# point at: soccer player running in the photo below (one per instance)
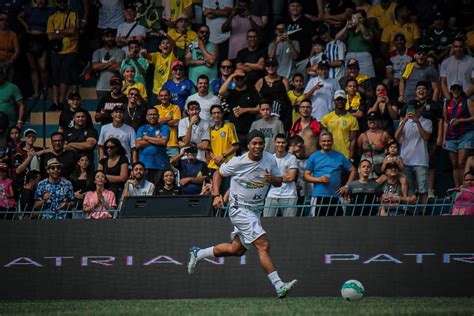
(252, 174)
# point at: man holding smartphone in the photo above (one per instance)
(414, 133)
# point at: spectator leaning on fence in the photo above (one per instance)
(284, 197)
(137, 185)
(54, 195)
(99, 203)
(324, 169)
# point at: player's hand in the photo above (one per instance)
(218, 201)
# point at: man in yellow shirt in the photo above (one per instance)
(382, 14)
(169, 114)
(343, 126)
(62, 30)
(224, 143)
(401, 25)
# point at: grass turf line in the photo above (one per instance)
(247, 306)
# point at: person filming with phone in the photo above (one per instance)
(414, 133)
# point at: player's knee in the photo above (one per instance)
(263, 246)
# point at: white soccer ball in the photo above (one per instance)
(352, 290)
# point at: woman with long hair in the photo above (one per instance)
(99, 203)
(82, 178)
(115, 166)
(168, 186)
(458, 138)
(385, 108)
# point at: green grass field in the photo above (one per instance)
(247, 306)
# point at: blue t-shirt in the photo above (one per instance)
(37, 18)
(154, 156)
(217, 83)
(179, 91)
(330, 164)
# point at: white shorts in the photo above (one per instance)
(247, 226)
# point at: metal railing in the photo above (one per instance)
(337, 207)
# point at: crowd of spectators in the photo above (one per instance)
(354, 98)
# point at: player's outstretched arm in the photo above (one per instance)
(218, 201)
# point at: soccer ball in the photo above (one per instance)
(352, 290)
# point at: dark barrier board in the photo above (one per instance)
(147, 258)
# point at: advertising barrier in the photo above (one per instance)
(147, 258)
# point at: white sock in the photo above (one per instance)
(275, 279)
(206, 253)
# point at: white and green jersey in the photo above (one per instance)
(248, 188)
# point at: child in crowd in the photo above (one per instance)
(268, 125)
(296, 96)
(7, 201)
(316, 55)
(393, 150)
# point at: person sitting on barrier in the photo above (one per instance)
(464, 202)
(192, 171)
(324, 168)
(54, 195)
(137, 185)
(99, 203)
(364, 192)
(284, 195)
(168, 186)
(27, 194)
(395, 191)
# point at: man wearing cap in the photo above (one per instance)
(62, 30)
(54, 195)
(194, 129)
(284, 50)
(81, 138)
(252, 174)
(66, 118)
(202, 56)
(364, 83)
(343, 126)
(11, 101)
(204, 98)
(414, 133)
(57, 151)
(321, 90)
(182, 35)
(432, 111)
(123, 132)
(179, 86)
(420, 70)
(458, 67)
(130, 29)
(252, 58)
(243, 104)
(114, 98)
(106, 61)
(164, 60)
